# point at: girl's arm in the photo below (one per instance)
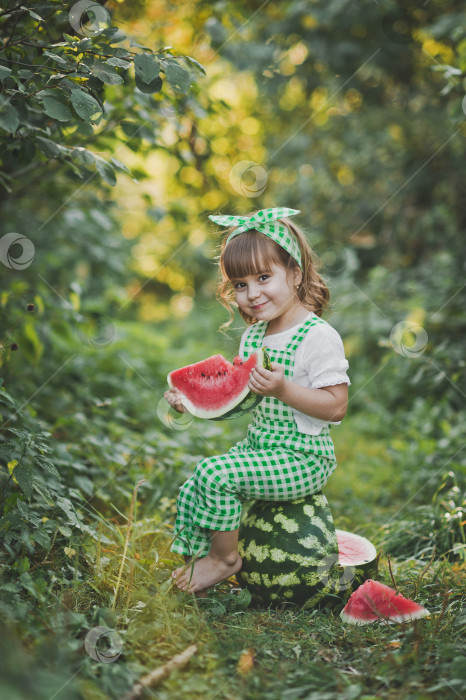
(328, 403)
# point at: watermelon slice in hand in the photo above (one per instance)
(374, 601)
(217, 389)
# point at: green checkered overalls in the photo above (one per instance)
(275, 462)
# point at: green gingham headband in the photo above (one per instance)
(266, 222)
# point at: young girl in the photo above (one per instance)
(268, 273)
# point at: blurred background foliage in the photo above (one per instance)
(120, 131)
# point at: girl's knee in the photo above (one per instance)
(206, 470)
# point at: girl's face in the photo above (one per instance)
(267, 294)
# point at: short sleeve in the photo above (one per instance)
(323, 357)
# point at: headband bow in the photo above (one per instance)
(266, 222)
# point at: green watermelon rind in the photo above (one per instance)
(246, 405)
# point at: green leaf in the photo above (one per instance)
(119, 38)
(243, 598)
(47, 147)
(86, 106)
(34, 15)
(178, 77)
(7, 447)
(195, 63)
(23, 475)
(81, 155)
(45, 497)
(4, 72)
(146, 67)
(22, 565)
(105, 170)
(56, 57)
(106, 73)
(118, 62)
(121, 166)
(67, 507)
(70, 39)
(28, 583)
(56, 109)
(9, 119)
(47, 465)
(84, 44)
(10, 587)
(41, 537)
(154, 86)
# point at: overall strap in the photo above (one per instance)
(301, 332)
(254, 336)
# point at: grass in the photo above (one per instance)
(246, 652)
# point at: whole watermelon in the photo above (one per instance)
(290, 554)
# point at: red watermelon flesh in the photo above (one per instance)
(354, 550)
(214, 387)
(374, 601)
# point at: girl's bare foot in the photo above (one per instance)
(207, 572)
(188, 567)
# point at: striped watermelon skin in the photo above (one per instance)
(290, 554)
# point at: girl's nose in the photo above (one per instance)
(253, 291)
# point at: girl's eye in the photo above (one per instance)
(240, 285)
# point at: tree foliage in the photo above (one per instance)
(72, 85)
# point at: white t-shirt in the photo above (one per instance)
(319, 361)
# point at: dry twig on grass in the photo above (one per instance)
(155, 677)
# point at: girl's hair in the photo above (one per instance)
(252, 252)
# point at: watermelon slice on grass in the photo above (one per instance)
(373, 601)
(217, 389)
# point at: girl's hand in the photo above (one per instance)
(267, 382)
(174, 399)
